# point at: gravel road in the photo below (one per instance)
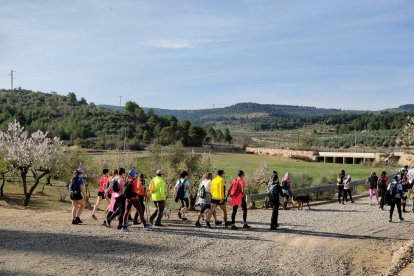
(330, 239)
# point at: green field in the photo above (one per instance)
(231, 163)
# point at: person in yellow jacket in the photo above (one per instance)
(218, 197)
(157, 189)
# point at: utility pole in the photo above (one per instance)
(11, 79)
(120, 101)
(355, 138)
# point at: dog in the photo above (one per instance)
(300, 200)
(167, 212)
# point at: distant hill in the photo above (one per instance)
(77, 122)
(254, 117)
(245, 111)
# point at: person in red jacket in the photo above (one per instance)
(238, 198)
(132, 199)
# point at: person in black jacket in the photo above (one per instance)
(275, 191)
(340, 183)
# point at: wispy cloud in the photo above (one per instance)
(177, 43)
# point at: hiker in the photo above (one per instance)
(131, 198)
(372, 182)
(77, 195)
(218, 198)
(112, 200)
(238, 198)
(204, 199)
(406, 187)
(382, 188)
(274, 191)
(142, 196)
(157, 189)
(287, 189)
(182, 190)
(347, 190)
(117, 187)
(340, 183)
(394, 192)
(103, 181)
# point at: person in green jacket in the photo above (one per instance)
(157, 189)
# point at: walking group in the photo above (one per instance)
(394, 193)
(124, 190)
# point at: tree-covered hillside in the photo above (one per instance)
(77, 122)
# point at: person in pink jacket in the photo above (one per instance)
(238, 198)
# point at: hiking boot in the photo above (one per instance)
(78, 220)
(390, 220)
(159, 225)
(179, 214)
(234, 227)
(108, 222)
(198, 224)
(147, 226)
(401, 219)
(208, 224)
(136, 222)
(246, 226)
(272, 228)
(75, 222)
(125, 228)
(94, 217)
(103, 223)
(217, 223)
(184, 219)
(119, 227)
(228, 223)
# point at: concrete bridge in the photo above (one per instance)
(346, 157)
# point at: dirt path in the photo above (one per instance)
(331, 239)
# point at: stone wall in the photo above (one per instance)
(407, 159)
(300, 154)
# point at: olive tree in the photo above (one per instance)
(34, 153)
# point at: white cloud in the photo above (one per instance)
(176, 43)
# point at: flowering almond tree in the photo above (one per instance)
(36, 154)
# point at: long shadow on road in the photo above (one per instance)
(327, 234)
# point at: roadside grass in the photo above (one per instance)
(232, 162)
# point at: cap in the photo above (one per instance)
(132, 173)
(159, 172)
(80, 170)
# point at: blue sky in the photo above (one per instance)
(196, 54)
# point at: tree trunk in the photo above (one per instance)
(3, 180)
(28, 195)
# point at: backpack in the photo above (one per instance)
(380, 183)
(202, 192)
(271, 191)
(73, 186)
(390, 194)
(128, 190)
(339, 179)
(180, 190)
(115, 185)
(285, 185)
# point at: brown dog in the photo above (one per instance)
(300, 200)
